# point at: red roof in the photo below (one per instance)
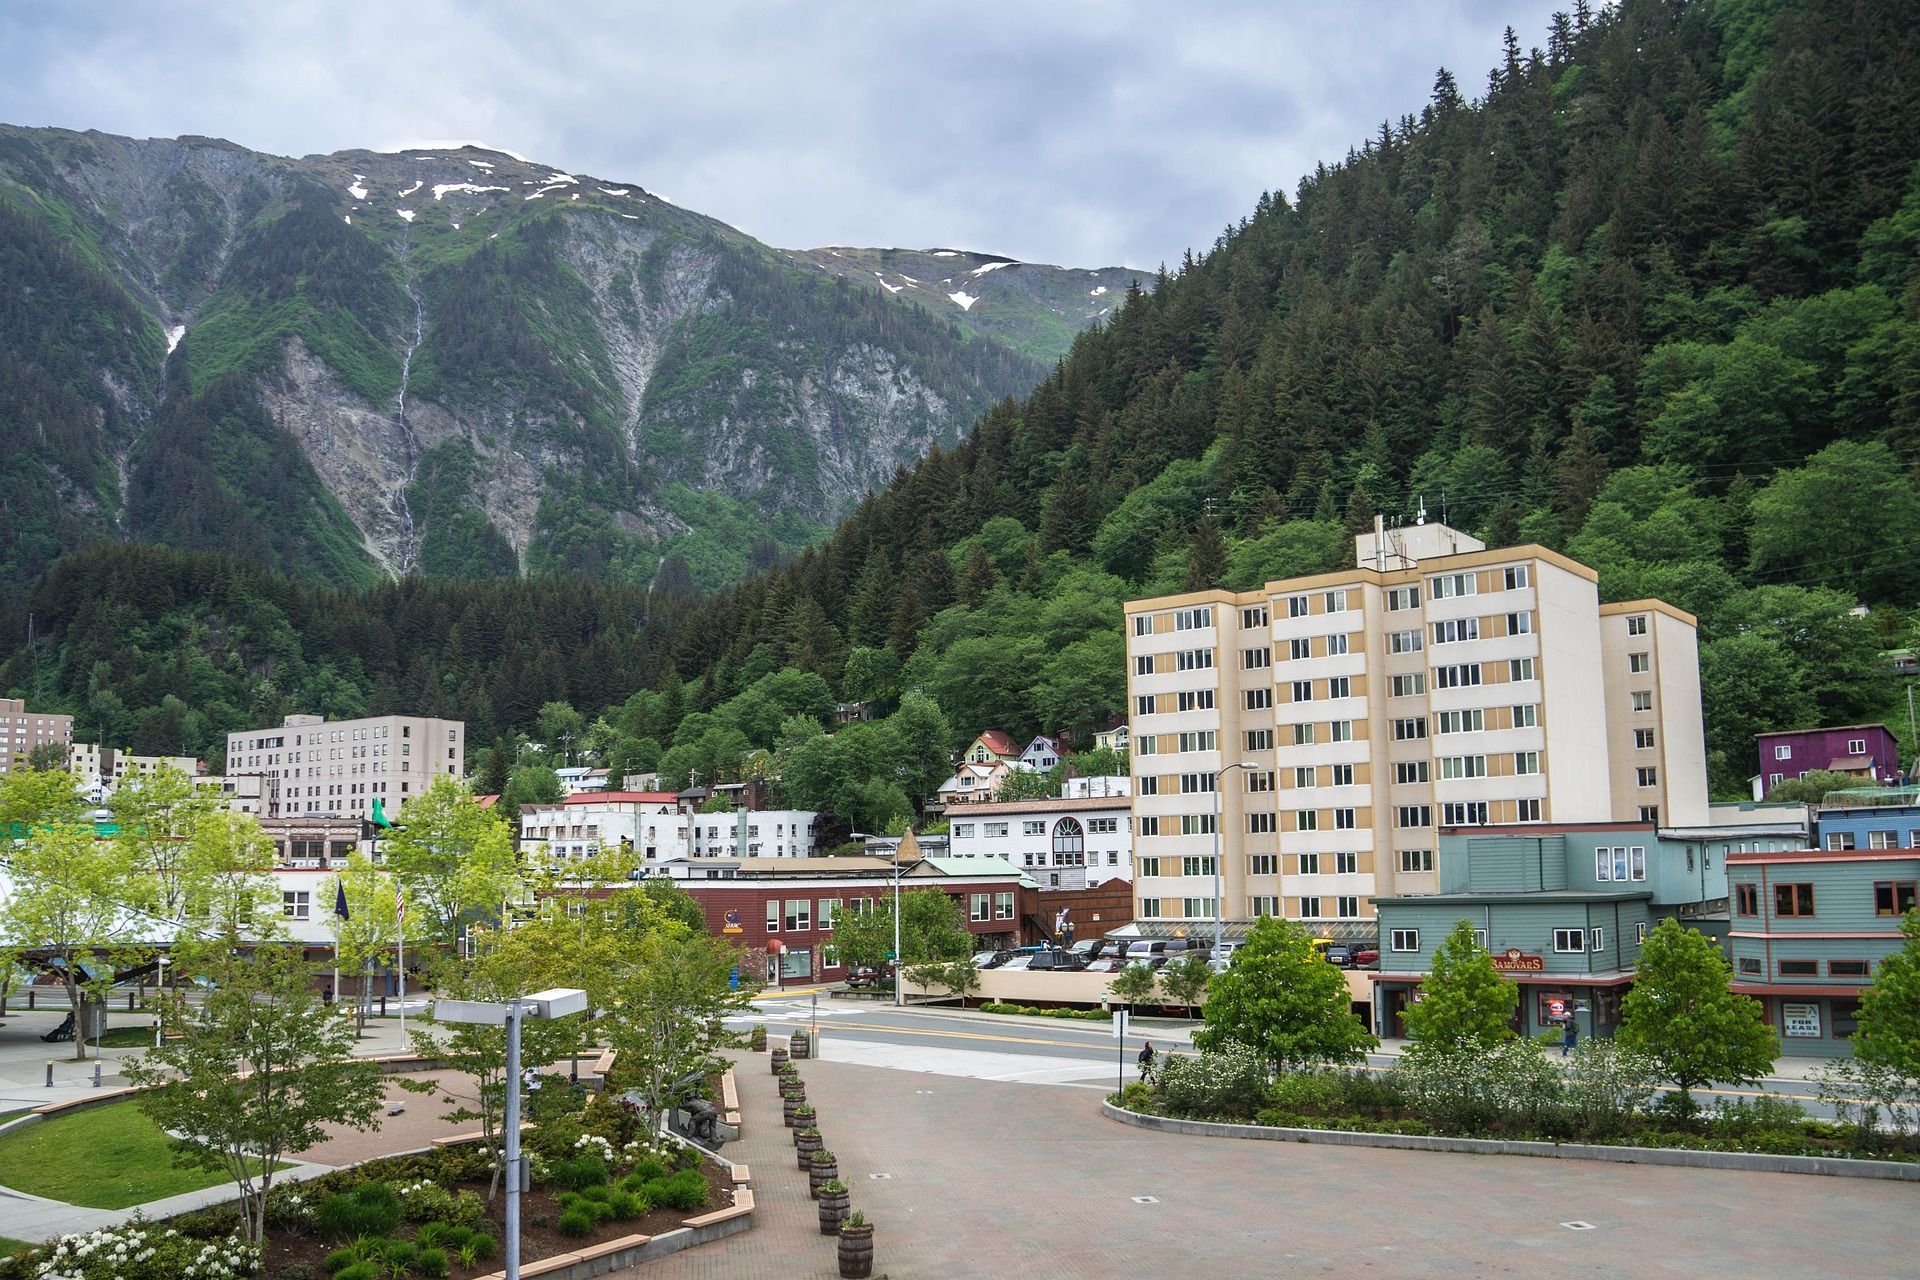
(622, 797)
(999, 743)
(486, 802)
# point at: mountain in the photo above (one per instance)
(450, 361)
(1653, 299)
(1037, 310)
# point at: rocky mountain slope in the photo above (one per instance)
(448, 361)
(1036, 309)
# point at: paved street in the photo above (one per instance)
(990, 1179)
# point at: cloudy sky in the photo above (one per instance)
(1079, 132)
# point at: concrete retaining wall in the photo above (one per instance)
(1833, 1167)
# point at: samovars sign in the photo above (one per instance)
(1801, 1021)
(1514, 960)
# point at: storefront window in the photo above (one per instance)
(796, 963)
(1846, 1018)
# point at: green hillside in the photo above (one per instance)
(1651, 299)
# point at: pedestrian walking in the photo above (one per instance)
(1146, 1063)
(1570, 1039)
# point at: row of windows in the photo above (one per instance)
(1875, 839)
(1753, 967)
(1890, 898)
(1569, 941)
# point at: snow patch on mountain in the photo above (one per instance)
(964, 299)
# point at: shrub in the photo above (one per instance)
(683, 1191)
(431, 1262)
(1224, 1082)
(399, 1256)
(478, 1248)
(339, 1260)
(646, 1170)
(1607, 1088)
(1473, 1090)
(1747, 1118)
(1308, 1092)
(359, 1271)
(575, 1222)
(370, 1209)
(625, 1204)
(577, 1172)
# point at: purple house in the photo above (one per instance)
(1870, 752)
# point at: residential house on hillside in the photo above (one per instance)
(1869, 752)
(1114, 739)
(992, 745)
(1042, 753)
(973, 783)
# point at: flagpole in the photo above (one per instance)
(400, 941)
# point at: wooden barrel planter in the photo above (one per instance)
(821, 1170)
(800, 1116)
(833, 1200)
(757, 1038)
(800, 1045)
(788, 1106)
(793, 1088)
(856, 1248)
(779, 1059)
(805, 1145)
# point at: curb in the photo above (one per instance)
(1743, 1161)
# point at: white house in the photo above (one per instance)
(582, 824)
(1042, 753)
(1069, 843)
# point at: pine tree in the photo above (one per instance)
(977, 580)
(1206, 558)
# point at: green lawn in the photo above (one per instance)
(10, 1247)
(109, 1157)
(127, 1038)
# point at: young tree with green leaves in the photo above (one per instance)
(37, 798)
(451, 859)
(1187, 979)
(1464, 1001)
(1682, 1014)
(155, 813)
(255, 1072)
(1134, 984)
(370, 932)
(224, 868)
(1889, 1032)
(83, 902)
(931, 930)
(1283, 1001)
(667, 1016)
(958, 978)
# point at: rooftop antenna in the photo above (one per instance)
(1422, 517)
(1379, 543)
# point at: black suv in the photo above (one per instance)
(1057, 960)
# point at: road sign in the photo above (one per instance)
(1120, 1023)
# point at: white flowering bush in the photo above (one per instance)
(1221, 1082)
(139, 1251)
(589, 1144)
(1470, 1089)
(1607, 1087)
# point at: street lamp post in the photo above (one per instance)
(899, 996)
(1218, 906)
(559, 1002)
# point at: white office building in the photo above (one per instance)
(313, 766)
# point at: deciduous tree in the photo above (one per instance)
(1283, 1001)
(1682, 1014)
(1464, 1001)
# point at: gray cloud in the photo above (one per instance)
(1077, 132)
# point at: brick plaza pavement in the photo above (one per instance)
(993, 1180)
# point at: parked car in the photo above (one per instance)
(990, 959)
(1148, 947)
(1219, 966)
(1339, 953)
(1015, 962)
(1106, 964)
(868, 978)
(1057, 961)
(1158, 961)
(1366, 957)
(1224, 951)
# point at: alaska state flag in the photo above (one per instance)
(340, 900)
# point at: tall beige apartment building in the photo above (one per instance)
(22, 730)
(1339, 721)
(340, 767)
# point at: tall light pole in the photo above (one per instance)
(559, 1002)
(899, 996)
(1218, 786)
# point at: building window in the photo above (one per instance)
(1197, 908)
(1793, 900)
(773, 915)
(1783, 752)
(1306, 820)
(1468, 814)
(1639, 663)
(1408, 686)
(1149, 825)
(1336, 602)
(1637, 624)
(1336, 644)
(1346, 908)
(1639, 932)
(1642, 739)
(1883, 840)
(1303, 734)
(1143, 704)
(1856, 746)
(1404, 939)
(1413, 816)
(1260, 823)
(1200, 740)
(1456, 677)
(1570, 941)
(963, 831)
(1455, 630)
(1143, 664)
(295, 904)
(1471, 720)
(1403, 598)
(1893, 897)
(1257, 699)
(1750, 967)
(1003, 906)
(1307, 864)
(981, 906)
(1194, 700)
(1448, 585)
(1646, 776)
(1519, 624)
(1414, 861)
(1848, 969)
(1143, 624)
(996, 830)
(1310, 908)
(1299, 648)
(1194, 660)
(1403, 642)
(1643, 700)
(1254, 617)
(1263, 864)
(1265, 906)
(1255, 658)
(1519, 669)
(1596, 940)
(1409, 728)
(1526, 762)
(1149, 867)
(1197, 866)
(1839, 840)
(1340, 731)
(1297, 607)
(1650, 814)
(799, 914)
(1033, 828)
(1746, 899)
(1799, 968)
(1192, 619)
(1302, 691)
(1191, 824)
(1452, 767)
(1259, 739)
(1411, 771)
(1340, 687)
